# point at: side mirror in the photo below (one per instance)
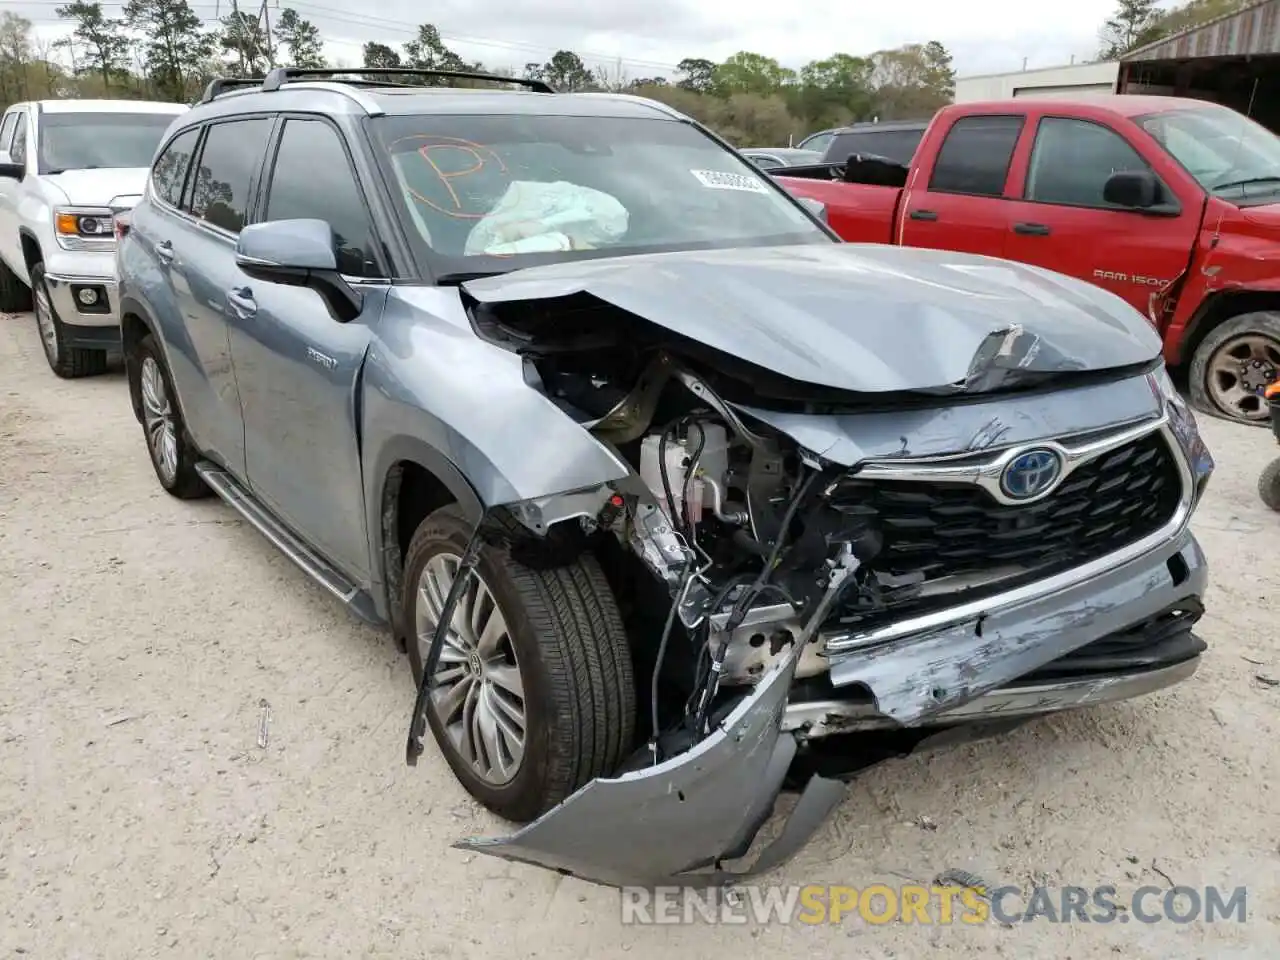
(816, 207)
(298, 253)
(1135, 189)
(13, 171)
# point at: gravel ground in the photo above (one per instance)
(139, 637)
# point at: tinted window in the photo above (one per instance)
(899, 145)
(313, 179)
(170, 173)
(230, 159)
(100, 141)
(1073, 159)
(975, 157)
(18, 152)
(6, 130)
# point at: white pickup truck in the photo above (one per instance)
(67, 167)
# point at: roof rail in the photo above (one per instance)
(282, 75)
(220, 86)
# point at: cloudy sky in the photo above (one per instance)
(650, 36)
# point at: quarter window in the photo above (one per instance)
(18, 152)
(975, 156)
(170, 172)
(224, 177)
(1073, 159)
(6, 130)
(313, 180)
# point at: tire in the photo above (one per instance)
(1269, 485)
(566, 639)
(1255, 334)
(173, 455)
(67, 362)
(15, 296)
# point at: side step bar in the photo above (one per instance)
(242, 501)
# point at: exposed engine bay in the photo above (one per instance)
(758, 543)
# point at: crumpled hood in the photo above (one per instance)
(859, 317)
(101, 188)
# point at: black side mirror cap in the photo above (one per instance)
(13, 171)
(1135, 189)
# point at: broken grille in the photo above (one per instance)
(957, 531)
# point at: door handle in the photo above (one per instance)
(924, 215)
(1032, 229)
(242, 303)
(164, 250)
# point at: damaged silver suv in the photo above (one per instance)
(666, 491)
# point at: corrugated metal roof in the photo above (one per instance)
(1255, 29)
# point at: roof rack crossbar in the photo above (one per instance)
(282, 75)
(220, 86)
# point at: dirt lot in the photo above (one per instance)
(139, 817)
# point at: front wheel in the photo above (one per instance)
(533, 695)
(65, 361)
(1233, 365)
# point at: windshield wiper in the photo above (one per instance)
(457, 279)
(1244, 183)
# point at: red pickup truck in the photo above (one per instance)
(1173, 204)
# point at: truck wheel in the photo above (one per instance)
(67, 362)
(1269, 485)
(534, 694)
(1234, 364)
(172, 453)
(15, 296)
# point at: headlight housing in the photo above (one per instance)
(84, 228)
(1182, 420)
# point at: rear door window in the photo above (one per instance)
(169, 175)
(975, 156)
(227, 171)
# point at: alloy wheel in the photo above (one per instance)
(157, 420)
(477, 689)
(44, 320)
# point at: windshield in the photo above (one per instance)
(1229, 154)
(493, 193)
(89, 141)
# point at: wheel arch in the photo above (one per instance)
(135, 324)
(1216, 310)
(410, 479)
(32, 253)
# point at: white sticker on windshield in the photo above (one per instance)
(720, 180)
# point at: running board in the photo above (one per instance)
(321, 571)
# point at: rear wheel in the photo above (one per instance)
(533, 695)
(1233, 365)
(66, 361)
(173, 456)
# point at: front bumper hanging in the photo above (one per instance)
(689, 820)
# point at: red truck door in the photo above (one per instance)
(1059, 219)
(954, 203)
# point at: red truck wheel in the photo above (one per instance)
(1233, 365)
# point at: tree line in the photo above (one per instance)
(160, 49)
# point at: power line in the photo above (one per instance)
(380, 23)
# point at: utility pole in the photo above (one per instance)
(265, 18)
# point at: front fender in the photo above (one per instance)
(429, 378)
